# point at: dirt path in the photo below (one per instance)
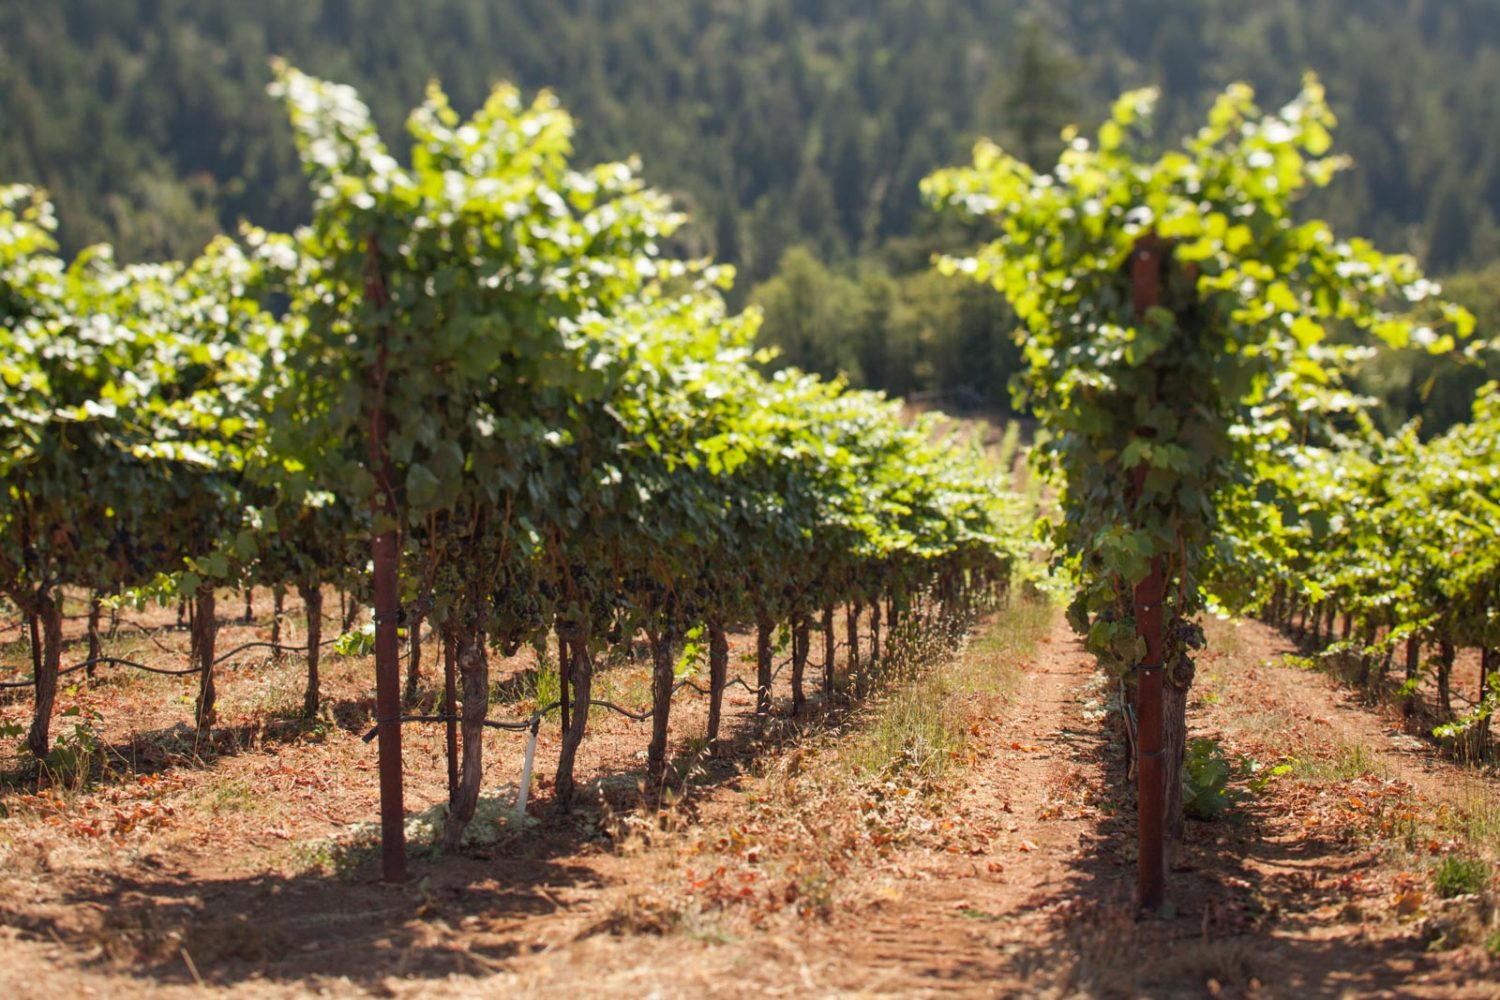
(971, 918)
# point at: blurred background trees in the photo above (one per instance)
(794, 131)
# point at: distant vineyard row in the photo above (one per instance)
(482, 359)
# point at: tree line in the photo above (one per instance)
(776, 126)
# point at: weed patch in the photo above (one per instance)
(1457, 875)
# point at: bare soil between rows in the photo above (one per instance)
(190, 872)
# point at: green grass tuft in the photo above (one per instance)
(1457, 875)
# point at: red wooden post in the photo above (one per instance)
(387, 662)
(1145, 272)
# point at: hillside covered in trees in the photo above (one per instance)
(793, 132)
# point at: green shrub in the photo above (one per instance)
(1456, 875)
(77, 745)
(547, 685)
(1205, 776)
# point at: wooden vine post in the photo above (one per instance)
(1145, 272)
(387, 663)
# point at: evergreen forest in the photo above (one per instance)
(793, 133)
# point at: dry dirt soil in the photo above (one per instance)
(789, 866)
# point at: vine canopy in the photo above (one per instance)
(1259, 317)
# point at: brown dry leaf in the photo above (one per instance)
(1408, 904)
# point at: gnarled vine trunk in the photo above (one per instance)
(801, 646)
(450, 711)
(474, 672)
(763, 627)
(581, 680)
(46, 661)
(413, 661)
(312, 597)
(1446, 654)
(1489, 664)
(662, 677)
(278, 604)
(829, 646)
(1413, 667)
(1174, 699)
(851, 626)
(718, 676)
(96, 610)
(205, 633)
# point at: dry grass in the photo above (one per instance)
(1357, 780)
(836, 796)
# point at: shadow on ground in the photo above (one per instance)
(457, 914)
(1249, 895)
